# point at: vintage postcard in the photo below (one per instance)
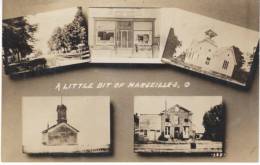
(46, 40)
(179, 124)
(124, 35)
(68, 124)
(208, 46)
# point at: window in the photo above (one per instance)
(207, 61)
(167, 119)
(167, 130)
(225, 65)
(143, 34)
(106, 36)
(145, 132)
(105, 32)
(186, 120)
(176, 119)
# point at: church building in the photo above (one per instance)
(208, 56)
(61, 133)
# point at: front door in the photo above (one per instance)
(124, 43)
(124, 39)
(177, 132)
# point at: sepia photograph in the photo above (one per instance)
(124, 35)
(179, 124)
(66, 124)
(46, 40)
(209, 46)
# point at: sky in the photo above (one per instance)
(189, 26)
(47, 23)
(198, 105)
(90, 115)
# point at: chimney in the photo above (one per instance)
(62, 117)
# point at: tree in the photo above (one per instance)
(18, 37)
(239, 57)
(172, 44)
(214, 123)
(71, 35)
(136, 120)
(57, 41)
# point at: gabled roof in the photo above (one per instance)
(56, 125)
(177, 105)
(208, 40)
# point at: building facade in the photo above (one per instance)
(206, 55)
(124, 32)
(172, 123)
(61, 133)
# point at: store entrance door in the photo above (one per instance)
(124, 38)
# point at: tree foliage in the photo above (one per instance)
(239, 57)
(18, 37)
(214, 123)
(172, 44)
(71, 35)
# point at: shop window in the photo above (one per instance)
(106, 36)
(105, 32)
(143, 38)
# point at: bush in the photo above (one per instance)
(162, 138)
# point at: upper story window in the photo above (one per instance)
(176, 119)
(145, 132)
(225, 65)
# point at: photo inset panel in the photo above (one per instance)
(179, 124)
(68, 124)
(209, 46)
(124, 35)
(34, 43)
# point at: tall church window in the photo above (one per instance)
(207, 61)
(225, 65)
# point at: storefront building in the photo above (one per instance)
(124, 32)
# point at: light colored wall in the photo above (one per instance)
(220, 57)
(121, 13)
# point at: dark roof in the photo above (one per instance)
(61, 106)
(46, 130)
